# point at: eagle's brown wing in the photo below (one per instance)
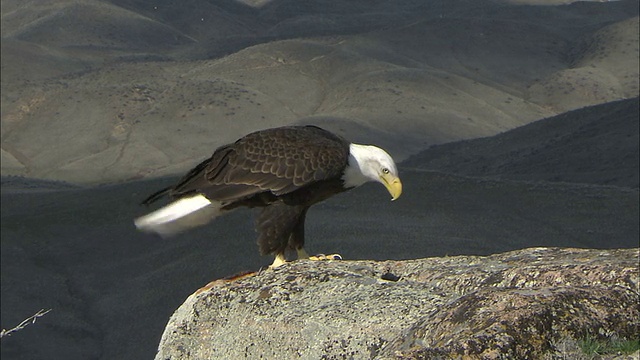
(279, 161)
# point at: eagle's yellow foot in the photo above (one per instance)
(279, 260)
(326, 257)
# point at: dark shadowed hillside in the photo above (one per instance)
(112, 289)
(596, 145)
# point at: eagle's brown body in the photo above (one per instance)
(284, 170)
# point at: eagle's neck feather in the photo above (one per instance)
(355, 174)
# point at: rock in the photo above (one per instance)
(528, 303)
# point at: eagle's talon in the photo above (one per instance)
(320, 257)
(278, 261)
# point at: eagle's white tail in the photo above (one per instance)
(180, 215)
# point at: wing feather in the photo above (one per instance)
(279, 160)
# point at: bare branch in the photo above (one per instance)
(30, 320)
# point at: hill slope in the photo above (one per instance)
(596, 145)
(117, 90)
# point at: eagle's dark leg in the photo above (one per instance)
(280, 226)
(296, 241)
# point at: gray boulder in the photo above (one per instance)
(531, 303)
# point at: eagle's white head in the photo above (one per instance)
(371, 163)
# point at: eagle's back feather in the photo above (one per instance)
(278, 161)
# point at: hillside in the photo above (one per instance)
(121, 90)
(594, 145)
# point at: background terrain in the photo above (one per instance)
(517, 125)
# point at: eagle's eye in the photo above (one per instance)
(385, 170)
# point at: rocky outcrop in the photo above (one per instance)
(532, 303)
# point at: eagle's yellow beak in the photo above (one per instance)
(393, 185)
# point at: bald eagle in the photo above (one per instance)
(284, 170)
